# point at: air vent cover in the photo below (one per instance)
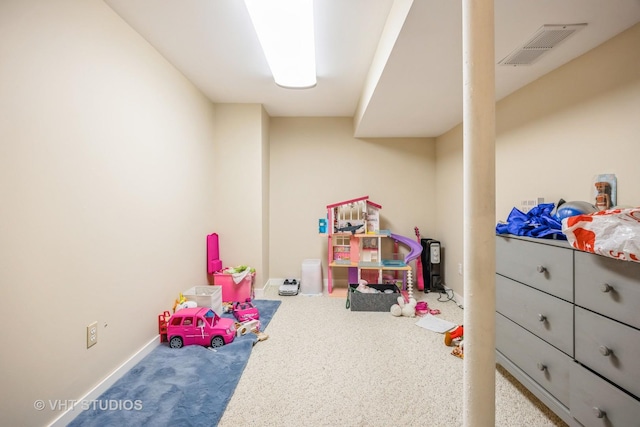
(546, 38)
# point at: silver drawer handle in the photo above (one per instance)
(599, 413)
(605, 287)
(542, 366)
(542, 317)
(541, 268)
(605, 351)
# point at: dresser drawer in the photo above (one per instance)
(543, 266)
(608, 286)
(596, 403)
(546, 316)
(609, 348)
(545, 364)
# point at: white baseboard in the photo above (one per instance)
(258, 293)
(104, 385)
(460, 300)
(279, 281)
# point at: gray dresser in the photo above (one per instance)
(568, 328)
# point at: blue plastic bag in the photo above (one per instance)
(538, 222)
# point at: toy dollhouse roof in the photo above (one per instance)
(359, 199)
(375, 205)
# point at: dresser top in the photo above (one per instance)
(552, 242)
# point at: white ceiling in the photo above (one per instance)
(415, 81)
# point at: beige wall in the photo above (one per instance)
(265, 182)
(106, 194)
(449, 199)
(317, 161)
(240, 192)
(553, 137)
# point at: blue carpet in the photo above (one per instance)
(190, 386)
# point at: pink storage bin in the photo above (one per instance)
(231, 291)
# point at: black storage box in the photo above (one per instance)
(360, 301)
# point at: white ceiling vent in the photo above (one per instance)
(546, 38)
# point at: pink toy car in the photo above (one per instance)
(199, 326)
(244, 311)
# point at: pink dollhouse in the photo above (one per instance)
(355, 242)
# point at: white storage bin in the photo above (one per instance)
(311, 278)
(206, 296)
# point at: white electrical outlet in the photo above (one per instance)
(527, 205)
(460, 268)
(92, 334)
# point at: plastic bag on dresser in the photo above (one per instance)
(538, 222)
(614, 233)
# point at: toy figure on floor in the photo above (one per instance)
(454, 337)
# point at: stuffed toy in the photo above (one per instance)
(182, 302)
(404, 309)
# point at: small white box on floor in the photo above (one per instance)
(311, 278)
(206, 296)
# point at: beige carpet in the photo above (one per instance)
(324, 365)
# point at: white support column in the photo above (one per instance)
(479, 212)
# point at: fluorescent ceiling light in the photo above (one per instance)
(285, 31)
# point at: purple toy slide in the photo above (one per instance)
(415, 248)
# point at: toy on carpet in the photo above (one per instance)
(455, 337)
(261, 335)
(227, 306)
(289, 287)
(422, 308)
(459, 351)
(244, 311)
(456, 333)
(402, 308)
(248, 326)
(252, 326)
(210, 329)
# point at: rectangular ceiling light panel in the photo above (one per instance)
(286, 33)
